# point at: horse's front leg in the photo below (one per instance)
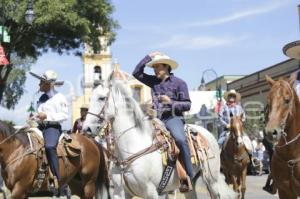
(119, 192)
(18, 191)
(243, 188)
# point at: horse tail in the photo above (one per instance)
(223, 190)
(102, 184)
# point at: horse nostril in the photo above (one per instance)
(88, 130)
(275, 133)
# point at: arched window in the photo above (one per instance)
(136, 93)
(97, 75)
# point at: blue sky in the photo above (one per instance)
(234, 37)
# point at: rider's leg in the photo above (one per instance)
(176, 127)
(51, 136)
(222, 138)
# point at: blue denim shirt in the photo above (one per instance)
(175, 88)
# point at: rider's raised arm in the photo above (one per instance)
(139, 74)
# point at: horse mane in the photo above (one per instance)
(7, 129)
(120, 88)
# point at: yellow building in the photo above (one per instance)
(96, 68)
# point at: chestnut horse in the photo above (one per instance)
(283, 128)
(235, 157)
(85, 174)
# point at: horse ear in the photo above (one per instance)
(292, 79)
(270, 80)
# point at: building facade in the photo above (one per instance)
(254, 86)
(254, 89)
(97, 68)
(221, 82)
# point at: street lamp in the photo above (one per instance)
(207, 71)
(29, 14)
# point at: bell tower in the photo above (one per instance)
(97, 66)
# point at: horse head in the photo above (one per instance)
(108, 101)
(95, 118)
(236, 129)
(281, 105)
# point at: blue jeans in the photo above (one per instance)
(51, 137)
(222, 138)
(176, 127)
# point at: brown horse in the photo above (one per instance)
(85, 174)
(235, 158)
(283, 127)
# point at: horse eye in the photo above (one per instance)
(286, 101)
(101, 98)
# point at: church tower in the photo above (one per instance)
(97, 66)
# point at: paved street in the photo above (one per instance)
(254, 190)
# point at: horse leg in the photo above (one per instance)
(18, 192)
(151, 192)
(118, 192)
(286, 194)
(76, 187)
(243, 188)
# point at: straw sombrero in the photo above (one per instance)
(49, 76)
(163, 59)
(232, 92)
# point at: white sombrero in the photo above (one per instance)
(163, 59)
(232, 92)
(49, 76)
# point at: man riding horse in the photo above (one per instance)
(52, 111)
(233, 107)
(170, 99)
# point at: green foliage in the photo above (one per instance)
(15, 82)
(62, 26)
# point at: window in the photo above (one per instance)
(97, 75)
(136, 93)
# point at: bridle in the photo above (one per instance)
(100, 114)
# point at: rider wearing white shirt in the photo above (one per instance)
(52, 111)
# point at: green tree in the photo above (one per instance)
(62, 26)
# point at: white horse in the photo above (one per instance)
(132, 133)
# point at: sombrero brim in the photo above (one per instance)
(238, 96)
(173, 64)
(292, 50)
(56, 83)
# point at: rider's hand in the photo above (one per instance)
(228, 126)
(153, 54)
(42, 116)
(165, 99)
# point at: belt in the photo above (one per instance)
(49, 124)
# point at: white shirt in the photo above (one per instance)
(56, 108)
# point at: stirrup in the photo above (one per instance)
(186, 186)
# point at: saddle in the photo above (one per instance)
(198, 145)
(67, 147)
